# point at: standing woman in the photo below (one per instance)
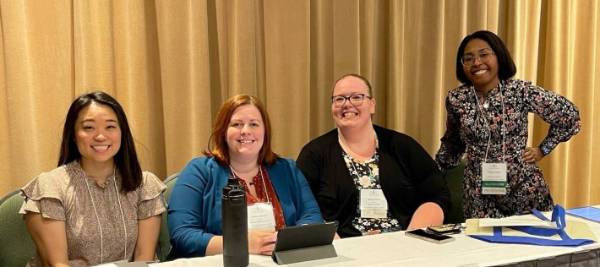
(487, 120)
(97, 206)
(276, 191)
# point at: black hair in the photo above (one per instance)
(126, 160)
(506, 65)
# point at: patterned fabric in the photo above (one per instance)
(62, 194)
(259, 187)
(469, 127)
(366, 176)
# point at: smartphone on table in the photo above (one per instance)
(446, 229)
(429, 236)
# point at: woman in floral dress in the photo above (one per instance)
(487, 119)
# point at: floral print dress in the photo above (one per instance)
(502, 119)
(366, 176)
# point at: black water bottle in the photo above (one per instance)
(235, 225)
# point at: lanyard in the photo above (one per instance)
(502, 132)
(352, 163)
(98, 218)
(558, 216)
(345, 146)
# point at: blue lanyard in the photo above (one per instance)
(558, 216)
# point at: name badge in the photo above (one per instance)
(260, 216)
(493, 178)
(373, 203)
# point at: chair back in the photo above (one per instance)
(454, 178)
(163, 247)
(17, 247)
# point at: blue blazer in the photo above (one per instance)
(194, 213)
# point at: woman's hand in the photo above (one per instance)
(373, 232)
(261, 241)
(532, 154)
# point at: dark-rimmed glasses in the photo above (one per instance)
(354, 99)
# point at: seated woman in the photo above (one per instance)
(368, 178)
(97, 206)
(240, 146)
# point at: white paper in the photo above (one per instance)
(516, 221)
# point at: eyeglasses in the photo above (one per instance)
(355, 99)
(468, 60)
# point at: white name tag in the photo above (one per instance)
(373, 203)
(493, 178)
(260, 216)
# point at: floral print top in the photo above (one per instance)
(502, 120)
(366, 176)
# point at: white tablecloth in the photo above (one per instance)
(396, 249)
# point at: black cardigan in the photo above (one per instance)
(408, 175)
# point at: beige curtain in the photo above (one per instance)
(171, 63)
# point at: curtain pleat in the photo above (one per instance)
(171, 63)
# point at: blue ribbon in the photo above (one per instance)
(558, 216)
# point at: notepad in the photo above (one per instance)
(589, 213)
(525, 220)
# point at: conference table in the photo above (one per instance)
(397, 249)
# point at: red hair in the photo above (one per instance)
(217, 143)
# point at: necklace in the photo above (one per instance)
(249, 181)
(363, 180)
(485, 105)
(98, 217)
(346, 147)
(262, 178)
(484, 98)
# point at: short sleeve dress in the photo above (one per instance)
(101, 222)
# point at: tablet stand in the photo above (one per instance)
(304, 254)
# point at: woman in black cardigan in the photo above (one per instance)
(368, 178)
